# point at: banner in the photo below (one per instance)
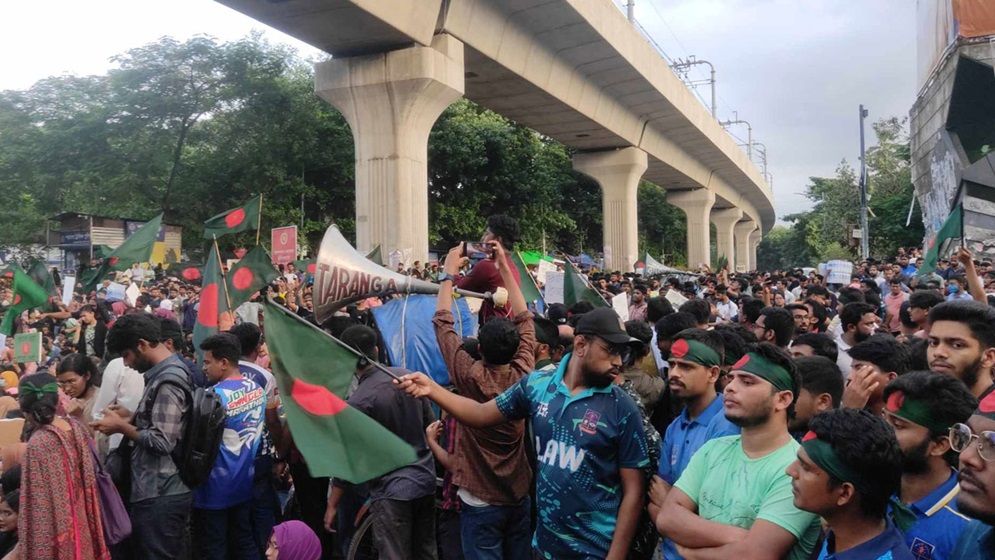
(68, 285)
(554, 287)
(284, 241)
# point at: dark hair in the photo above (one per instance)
(752, 308)
(821, 375)
(978, 317)
(364, 340)
(917, 349)
(337, 324)
(883, 351)
(641, 331)
(709, 338)
(904, 317)
(82, 365)
(499, 340)
(13, 499)
(10, 480)
(580, 308)
(779, 320)
(504, 227)
(557, 313)
(472, 347)
(925, 299)
(817, 290)
(169, 329)
(821, 344)
(546, 332)
(851, 295)
(734, 345)
(657, 308)
(223, 346)
(866, 444)
(948, 399)
(872, 298)
(38, 405)
(131, 328)
(852, 312)
(700, 309)
(674, 323)
(249, 336)
(780, 357)
(819, 311)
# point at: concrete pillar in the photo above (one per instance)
(697, 205)
(391, 100)
(725, 221)
(618, 172)
(743, 230)
(754, 243)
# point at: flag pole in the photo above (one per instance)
(221, 269)
(259, 218)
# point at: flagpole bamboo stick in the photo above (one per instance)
(221, 268)
(259, 218)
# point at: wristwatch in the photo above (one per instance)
(444, 276)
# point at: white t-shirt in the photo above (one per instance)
(120, 385)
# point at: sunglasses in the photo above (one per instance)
(623, 351)
(961, 438)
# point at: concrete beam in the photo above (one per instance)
(697, 205)
(618, 172)
(725, 221)
(391, 100)
(755, 237)
(743, 230)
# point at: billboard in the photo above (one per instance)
(284, 243)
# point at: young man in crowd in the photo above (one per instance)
(815, 344)
(875, 362)
(802, 317)
(858, 321)
(637, 303)
(775, 325)
(847, 469)
(696, 358)
(548, 350)
(975, 441)
(160, 501)
(492, 470)
(485, 276)
(222, 506)
(922, 406)
(962, 343)
(821, 390)
(589, 437)
(920, 303)
(893, 305)
(726, 308)
(733, 499)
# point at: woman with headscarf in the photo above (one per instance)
(293, 540)
(61, 519)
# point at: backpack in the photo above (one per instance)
(200, 441)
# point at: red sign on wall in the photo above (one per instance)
(284, 244)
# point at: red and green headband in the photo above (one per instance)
(767, 370)
(695, 351)
(915, 411)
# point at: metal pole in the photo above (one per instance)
(713, 89)
(630, 10)
(864, 234)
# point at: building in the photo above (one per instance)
(82, 237)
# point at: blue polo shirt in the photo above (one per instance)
(581, 441)
(938, 524)
(977, 542)
(889, 545)
(685, 436)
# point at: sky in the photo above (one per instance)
(796, 70)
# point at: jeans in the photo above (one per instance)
(496, 532)
(265, 503)
(159, 526)
(405, 529)
(219, 534)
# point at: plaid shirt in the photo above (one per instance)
(160, 425)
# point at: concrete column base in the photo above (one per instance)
(725, 221)
(391, 100)
(743, 230)
(697, 205)
(618, 172)
(754, 243)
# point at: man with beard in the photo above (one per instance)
(801, 315)
(962, 343)
(858, 321)
(921, 407)
(734, 499)
(588, 436)
(696, 357)
(975, 441)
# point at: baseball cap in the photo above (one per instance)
(604, 323)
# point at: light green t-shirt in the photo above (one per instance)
(732, 489)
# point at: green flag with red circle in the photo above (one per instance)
(243, 218)
(27, 347)
(249, 275)
(213, 301)
(137, 248)
(27, 295)
(313, 371)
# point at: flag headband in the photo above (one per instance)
(695, 351)
(767, 370)
(986, 407)
(915, 411)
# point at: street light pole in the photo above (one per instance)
(864, 233)
(630, 10)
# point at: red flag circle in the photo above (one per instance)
(235, 217)
(742, 362)
(679, 348)
(25, 348)
(190, 273)
(242, 278)
(208, 313)
(310, 268)
(17, 299)
(113, 261)
(315, 399)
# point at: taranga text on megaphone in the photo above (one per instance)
(338, 283)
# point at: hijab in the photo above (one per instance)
(296, 541)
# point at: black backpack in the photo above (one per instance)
(200, 441)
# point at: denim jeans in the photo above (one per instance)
(220, 534)
(159, 526)
(496, 532)
(265, 503)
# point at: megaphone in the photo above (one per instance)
(343, 275)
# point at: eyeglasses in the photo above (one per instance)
(961, 437)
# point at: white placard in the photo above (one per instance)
(68, 285)
(554, 287)
(676, 298)
(131, 294)
(620, 303)
(544, 268)
(3, 341)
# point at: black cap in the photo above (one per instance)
(604, 323)
(557, 313)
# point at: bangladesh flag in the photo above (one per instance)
(40, 274)
(135, 249)
(576, 288)
(305, 265)
(951, 231)
(27, 295)
(27, 347)
(213, 302)
(188, 271)
(528, 285)
(243, 218)
(313, 371)
(252, 272)
(8, 271)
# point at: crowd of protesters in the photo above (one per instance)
(768, 414)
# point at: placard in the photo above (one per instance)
(68, 286)
(620, 303)
(554, 287)
(544, 267)
(676, 298)
(131, 294)
(284, 244)
(27, 347)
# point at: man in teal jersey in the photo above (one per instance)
(734, 498)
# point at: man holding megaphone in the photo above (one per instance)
(484, 276)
